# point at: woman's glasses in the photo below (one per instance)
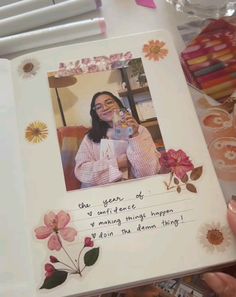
(108, 103)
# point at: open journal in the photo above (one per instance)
(72, 225)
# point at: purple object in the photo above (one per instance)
(98, 3)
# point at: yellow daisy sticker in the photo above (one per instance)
(36, 132)
(155, 50)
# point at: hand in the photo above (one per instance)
(131, 122)
(223, 284)
(122, 161)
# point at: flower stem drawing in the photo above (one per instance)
(182, 172)
(56, 229)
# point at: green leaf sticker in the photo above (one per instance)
(91, 257)
(196, 173)
(56, 279)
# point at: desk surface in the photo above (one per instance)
(126, 17)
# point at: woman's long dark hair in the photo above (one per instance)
(99, 127)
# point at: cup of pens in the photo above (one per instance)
(205, 8)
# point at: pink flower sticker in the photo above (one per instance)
(55, 227)
(88, 242)
(49, 270)
(53, 259)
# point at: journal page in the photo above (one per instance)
(15, 268)
(120, 188)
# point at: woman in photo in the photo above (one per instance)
(141, 157)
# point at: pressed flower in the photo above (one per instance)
(54, 228)
(88, 242)
(214, 237)
(155, 50)
(28, 68)
(177, 161)
(53, 259)
(164, 162)
(49, 270)
(36, 132)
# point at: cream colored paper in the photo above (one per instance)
(144, 231)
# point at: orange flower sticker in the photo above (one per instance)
(36, 132)
(154, 50)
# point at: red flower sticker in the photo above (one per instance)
(178, 164)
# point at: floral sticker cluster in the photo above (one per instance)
(57, 231)
(181, 169)
(96, 64)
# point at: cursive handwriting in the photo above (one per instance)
(106, 202)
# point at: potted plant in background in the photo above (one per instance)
(137, 71)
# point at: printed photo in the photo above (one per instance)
(106, 123)
(187, 291)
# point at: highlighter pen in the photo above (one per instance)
(214, 82)
(187, 55)
(209, 69)
(226, 57)
(25, 6)
(200, 66)
(51, 35)
(216, 55)
(46, 15)
(198, 60)
(228, 70)
(220, 87)
(222, 94)
(212, 43)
